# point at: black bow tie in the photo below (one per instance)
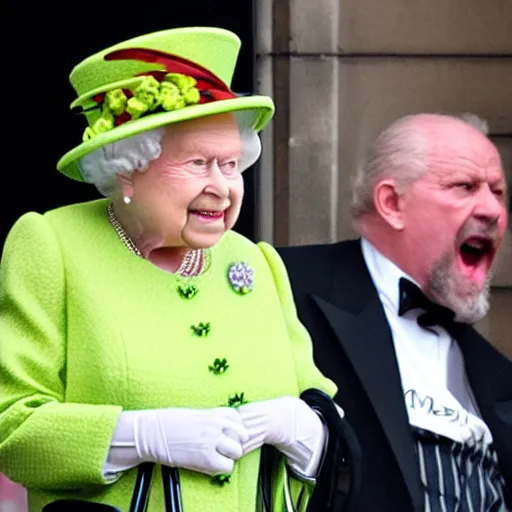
(411, 297)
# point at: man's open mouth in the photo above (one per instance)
(476, 255)
(474, 249)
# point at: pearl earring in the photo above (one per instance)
(127, 200)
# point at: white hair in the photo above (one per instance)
(473, 120)
(135, 153)
(127, 155)
(400, 152)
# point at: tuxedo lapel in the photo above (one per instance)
(357, 318)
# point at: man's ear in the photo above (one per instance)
(389, 203)
(125, 180)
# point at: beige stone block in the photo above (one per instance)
(314, 26)
(504, 145)
(500, 320)
(425, 26)
(373, 93)
(503, 267)
(313, 150)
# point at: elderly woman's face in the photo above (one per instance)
(193, 192)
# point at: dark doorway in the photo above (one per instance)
(40, 44)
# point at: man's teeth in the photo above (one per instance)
(476, 244)
(480, 246)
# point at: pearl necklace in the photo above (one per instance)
(194, 263)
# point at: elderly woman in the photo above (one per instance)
(140, 327)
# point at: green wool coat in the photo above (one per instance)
(87, 330)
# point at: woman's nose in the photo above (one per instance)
(218, 184)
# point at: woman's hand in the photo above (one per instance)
(203, 440)
(290, 425)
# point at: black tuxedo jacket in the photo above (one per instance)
(338, 303)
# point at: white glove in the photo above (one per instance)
(203, 440)
(290, 425)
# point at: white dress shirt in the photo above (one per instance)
(437, 394)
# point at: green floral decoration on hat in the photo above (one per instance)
(174, 92)
(145, 98)
(115, 101)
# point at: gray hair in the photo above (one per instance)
(400, 152)
(135, 153)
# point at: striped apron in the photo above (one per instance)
(458, 477)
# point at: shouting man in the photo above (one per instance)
(391, 318)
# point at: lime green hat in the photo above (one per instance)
(154, 80)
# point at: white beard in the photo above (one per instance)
(467, 302)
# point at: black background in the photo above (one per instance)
(40, 42)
